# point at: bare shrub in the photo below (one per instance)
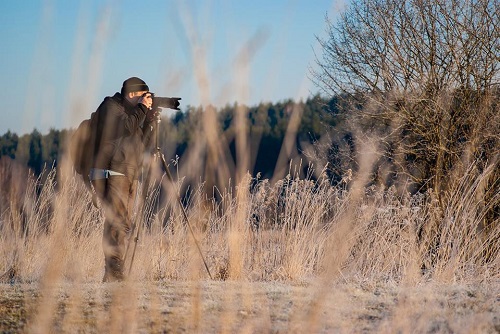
(423, 77)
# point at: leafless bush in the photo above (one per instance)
(423, 77)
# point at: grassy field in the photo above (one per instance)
(295, 256)
(251, 307)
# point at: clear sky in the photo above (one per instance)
(60, 58)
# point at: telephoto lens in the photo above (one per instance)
(166, 102)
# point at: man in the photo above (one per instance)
(122, 128)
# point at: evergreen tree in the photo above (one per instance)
(8, 144)
(35, 161)
(51, 146)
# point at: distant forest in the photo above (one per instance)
(267, 125)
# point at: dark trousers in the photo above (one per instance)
(117, 195)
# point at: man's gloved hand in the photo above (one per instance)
(147, 100)
(152, 115)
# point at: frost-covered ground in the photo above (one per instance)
(242, 307)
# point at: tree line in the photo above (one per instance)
(267, 120)
(33, 150)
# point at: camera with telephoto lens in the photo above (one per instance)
(165, 102)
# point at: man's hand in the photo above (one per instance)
(152, 115)
(147, 100)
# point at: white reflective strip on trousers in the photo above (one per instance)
(98, 174)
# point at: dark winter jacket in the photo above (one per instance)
(122, 136)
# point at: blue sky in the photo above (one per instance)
(60, 58)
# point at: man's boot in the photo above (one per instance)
(114, 270)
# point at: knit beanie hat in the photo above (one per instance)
(134, 84)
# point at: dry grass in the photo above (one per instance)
(294, 256)
(254, 307)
